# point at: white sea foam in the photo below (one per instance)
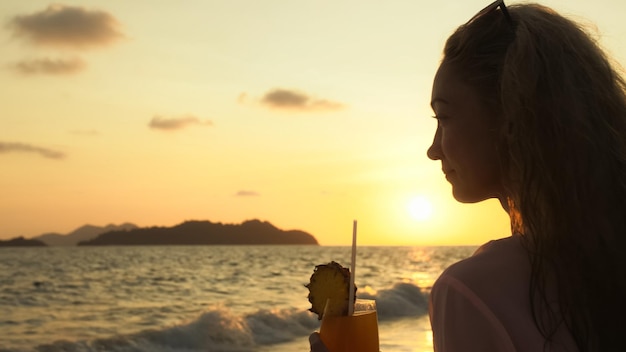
(219, 329)
(402, 300)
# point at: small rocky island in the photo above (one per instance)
(251, 232)
(21, 242)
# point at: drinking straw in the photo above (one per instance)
(352, 265)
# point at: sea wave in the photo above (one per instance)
(402, 300)
(219, 329)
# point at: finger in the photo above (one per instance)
(316, 343)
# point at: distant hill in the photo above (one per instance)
(204, 233)
(21, 242)
(83, 233)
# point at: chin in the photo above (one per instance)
(466, 197)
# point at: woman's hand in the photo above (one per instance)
(316, 343)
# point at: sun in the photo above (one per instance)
(420, 208)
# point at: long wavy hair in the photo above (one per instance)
(561, 104)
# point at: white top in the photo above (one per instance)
(481, 304)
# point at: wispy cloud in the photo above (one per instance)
(295, 100)
(67, 26)
(28, 148)
(49, 66)
(176, 123)
(246, 194)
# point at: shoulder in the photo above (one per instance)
(498, 271)
(498, 263)
(482, 303)
(483, 300)
(463, 305)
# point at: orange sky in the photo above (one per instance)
(306, 114)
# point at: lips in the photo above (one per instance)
(449, 174)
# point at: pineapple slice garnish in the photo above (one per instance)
(330, 282)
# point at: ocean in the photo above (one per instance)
(203, 298)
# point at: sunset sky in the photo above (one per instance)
(304, 113)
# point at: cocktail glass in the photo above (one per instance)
(358, 332)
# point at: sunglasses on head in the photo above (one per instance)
(492, 7)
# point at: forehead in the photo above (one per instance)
(449, 88)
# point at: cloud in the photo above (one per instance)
(241, 99)
(67, 26)
(246, 194)
(27, 148)
(176, 123)
(294, 100)
(49, 66)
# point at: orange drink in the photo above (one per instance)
(358, 332)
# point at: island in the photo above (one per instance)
(83, 233)
(21, 242)
(251, 232)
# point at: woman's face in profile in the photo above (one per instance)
(465, 140)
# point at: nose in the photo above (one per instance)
(434, 151)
